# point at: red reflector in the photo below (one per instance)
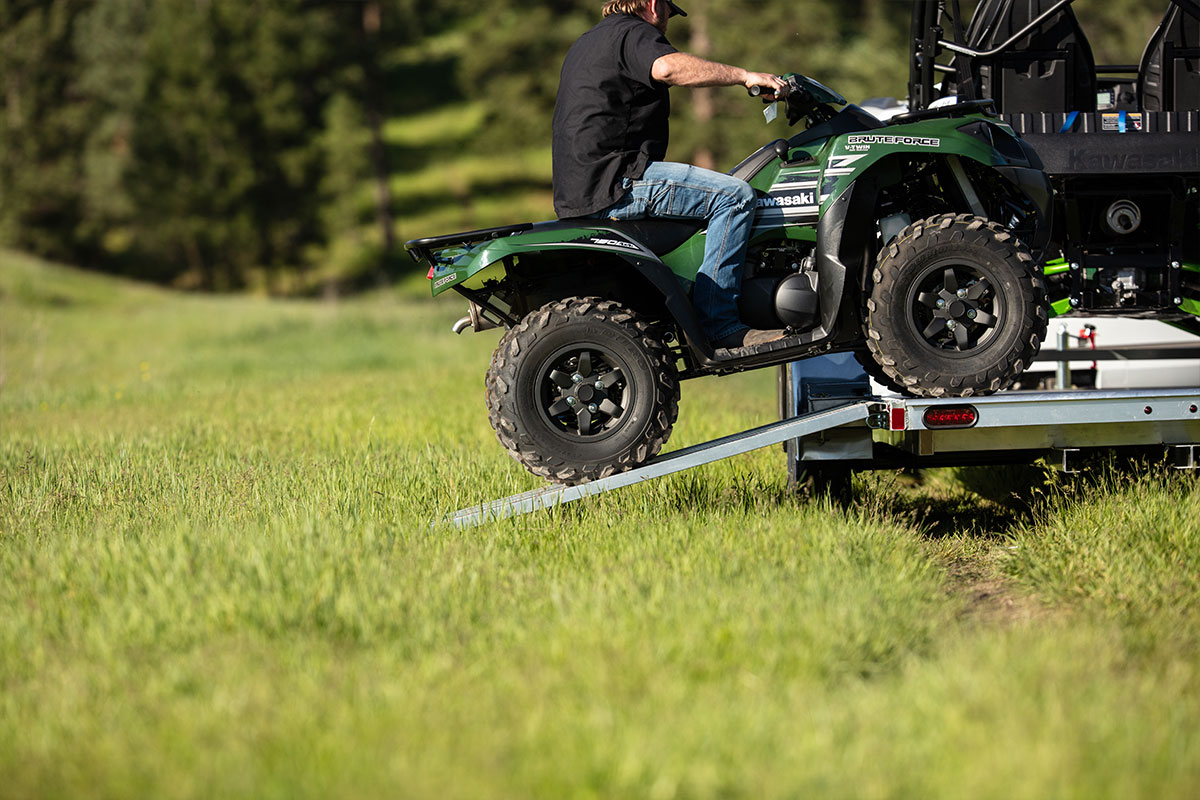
(896, 423)
(951, 417)
(430, 275)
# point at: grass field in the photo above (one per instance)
(218, 579)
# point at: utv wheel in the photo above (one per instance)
(956, 308)
(580, 390)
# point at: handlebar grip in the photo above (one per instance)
(755, 91)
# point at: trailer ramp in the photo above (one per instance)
(735, 444)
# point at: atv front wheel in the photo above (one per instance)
(956, 308)
(580, 390)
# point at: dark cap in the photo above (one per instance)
(676, 10)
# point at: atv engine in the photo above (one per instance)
(779, 287)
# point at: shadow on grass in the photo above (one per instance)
(962, 515)
(933, 511)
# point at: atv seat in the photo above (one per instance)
(1169, 77)
(659, 235)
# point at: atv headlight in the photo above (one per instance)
(980, 130)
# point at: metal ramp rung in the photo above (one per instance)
(689, 457)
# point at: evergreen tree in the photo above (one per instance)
(179, 141)
(43, 121)
(226, 156)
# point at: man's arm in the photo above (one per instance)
(682, 69)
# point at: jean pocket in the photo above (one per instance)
(631, 206)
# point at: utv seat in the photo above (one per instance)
(1169, 77)
(1050, 69)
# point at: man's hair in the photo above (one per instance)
(631, 7)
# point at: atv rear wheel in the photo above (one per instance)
(580, 390)
(956, 308)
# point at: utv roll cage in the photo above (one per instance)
(1120, 142)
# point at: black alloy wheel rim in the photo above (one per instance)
(955, 308)
(584, 392)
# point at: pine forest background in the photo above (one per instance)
(292, 146)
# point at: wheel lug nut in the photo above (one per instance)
(972, 314)
(571, 401)
(599, 385)
(951, 325)
(941, 302)
(961, 293)
(577, 378)
(592, 407)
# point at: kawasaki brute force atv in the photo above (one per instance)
(913, 244)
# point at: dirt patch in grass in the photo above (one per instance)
(969, 535)
(989, 598)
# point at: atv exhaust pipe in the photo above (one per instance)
(475, 320)
(1124, 217)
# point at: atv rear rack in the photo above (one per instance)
(874, 432)
(422, 250)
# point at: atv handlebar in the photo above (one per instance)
(803, 98)
(780, 94)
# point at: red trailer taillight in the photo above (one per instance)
(950, 417)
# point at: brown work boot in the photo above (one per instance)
(748, 337)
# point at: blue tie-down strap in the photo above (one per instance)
(1070, 122)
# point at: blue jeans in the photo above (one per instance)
(682, 191)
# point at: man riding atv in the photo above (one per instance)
(912, 244)
(610, 139)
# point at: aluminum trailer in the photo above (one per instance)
(1011, 427)
(834, 426)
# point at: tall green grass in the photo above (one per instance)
(218, 577)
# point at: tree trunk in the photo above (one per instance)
(372, 21)
(702, 98)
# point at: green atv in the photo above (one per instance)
(911, 243)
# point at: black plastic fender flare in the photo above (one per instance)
(846, 235)
(675, 300)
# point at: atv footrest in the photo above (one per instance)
(737, 353)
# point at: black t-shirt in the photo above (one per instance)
(610, 117)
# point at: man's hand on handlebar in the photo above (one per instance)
(765, 85)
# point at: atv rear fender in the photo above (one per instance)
(472, 262)
(628, 268)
